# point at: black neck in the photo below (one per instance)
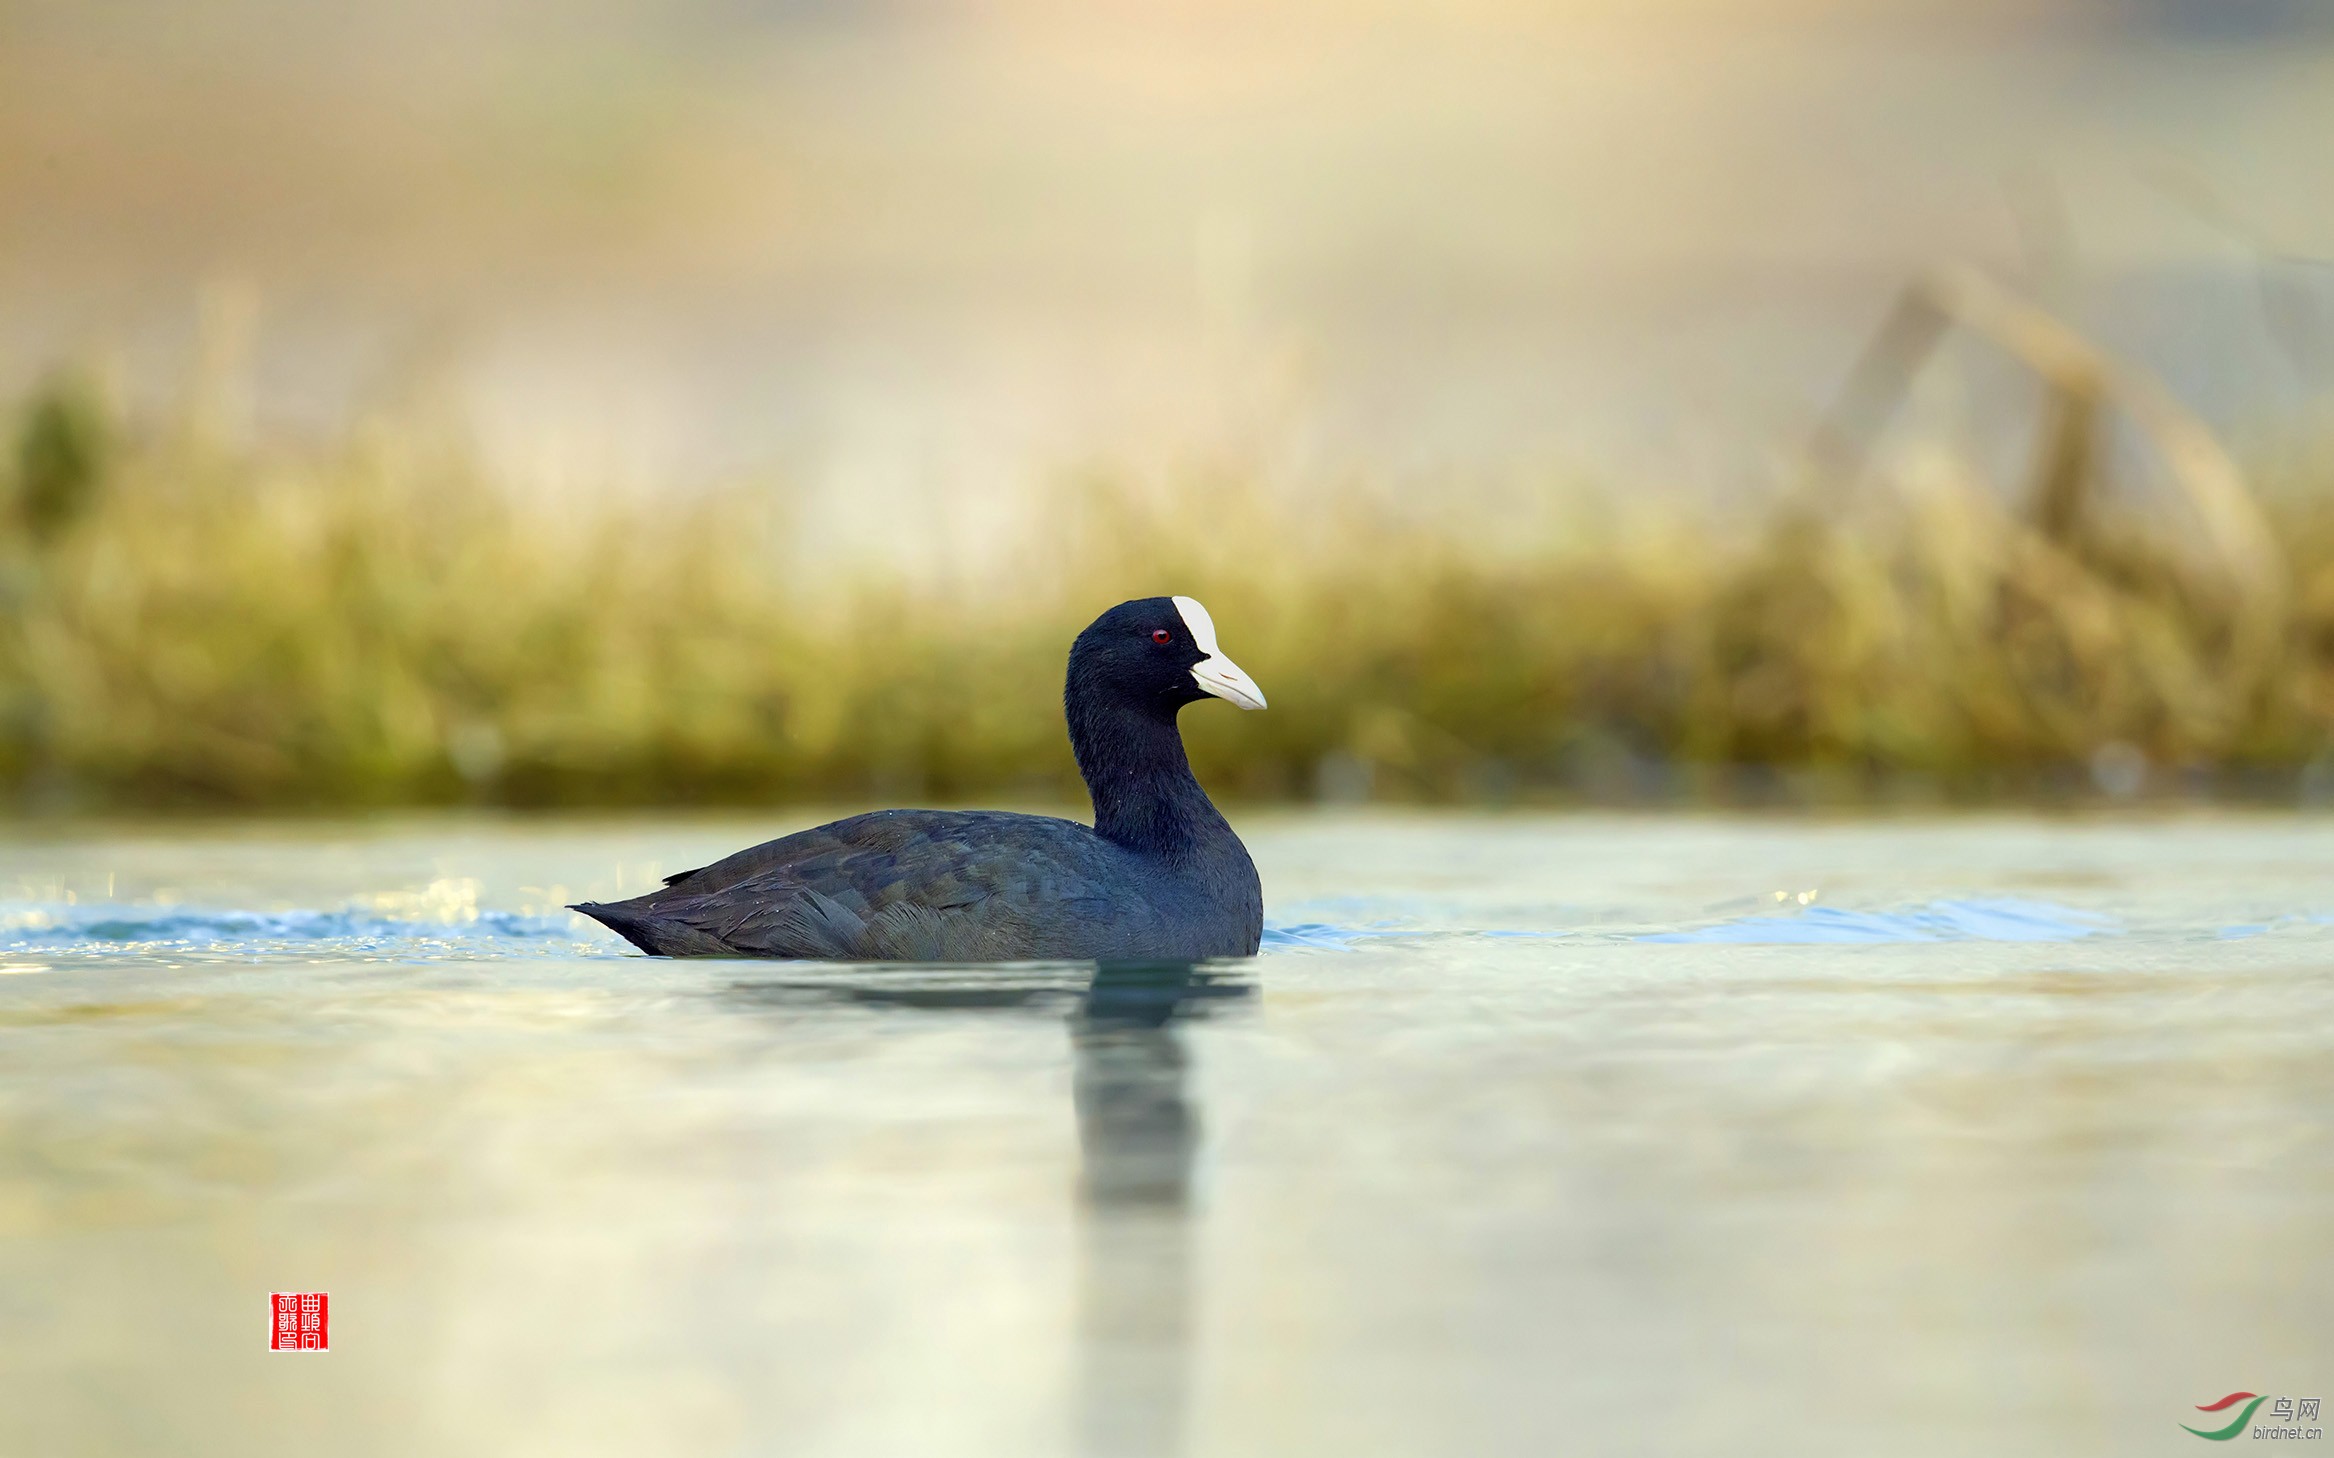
(1145, 797)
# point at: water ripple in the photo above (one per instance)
(2001, 919)
(364, 928)
(136, 928)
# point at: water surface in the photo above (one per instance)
(1661, 1135)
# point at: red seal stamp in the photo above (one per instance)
(299, 1321)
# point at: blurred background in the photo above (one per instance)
(731, 401)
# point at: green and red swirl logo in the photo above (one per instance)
(2289, 1417)
(2222, 1435)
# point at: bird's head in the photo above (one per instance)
(1158, 653)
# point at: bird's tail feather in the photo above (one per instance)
(632, 926)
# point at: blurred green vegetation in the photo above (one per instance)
(373, 623)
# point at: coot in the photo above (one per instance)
(1159, 875)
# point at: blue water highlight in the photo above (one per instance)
(1998, 919)
(100, 929)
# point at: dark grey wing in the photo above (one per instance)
(907, 886)
(733, 868)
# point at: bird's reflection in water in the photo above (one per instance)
(1138, 1133)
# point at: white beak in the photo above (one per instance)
(1215, 673)
(1222, 677)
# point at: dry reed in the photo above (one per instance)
(374, 624)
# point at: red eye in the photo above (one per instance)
(1161, 635)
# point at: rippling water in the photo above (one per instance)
(1522, 1136)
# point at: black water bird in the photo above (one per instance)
(1158, 875)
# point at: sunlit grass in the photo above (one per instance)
(373, 623)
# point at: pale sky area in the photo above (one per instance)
(912, 258)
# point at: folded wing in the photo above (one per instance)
(899, 885)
